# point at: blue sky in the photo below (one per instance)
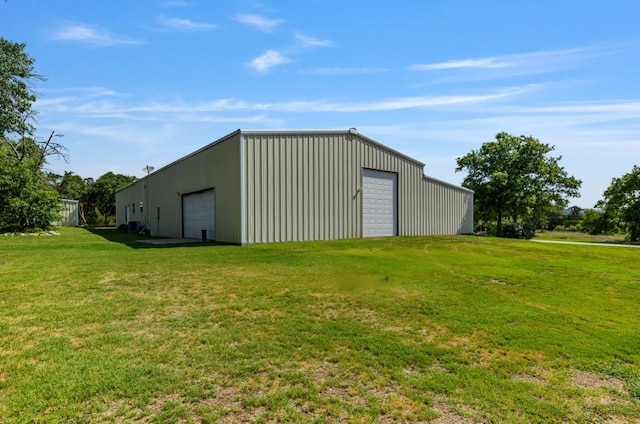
(135, 83)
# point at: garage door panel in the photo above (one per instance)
(379, 203)
(198, 214)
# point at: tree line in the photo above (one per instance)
(97, 202)
(29, 195)
(519, 186)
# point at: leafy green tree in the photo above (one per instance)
(26, 200)
(69, 185)
(599, 222)
(17, 75)
(621, 200)
(100, 199)
(16, 96)
(513, 177)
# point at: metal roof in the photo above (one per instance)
(350, 131)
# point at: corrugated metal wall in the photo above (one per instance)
(305, 186)
(216, 166)
(287, 186)
(68, 213)
(130, 197)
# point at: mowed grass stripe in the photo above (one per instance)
(97, 327)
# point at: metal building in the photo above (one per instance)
(68, 213)
(271, 186)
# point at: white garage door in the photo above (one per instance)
(198, 215)
(379, 203)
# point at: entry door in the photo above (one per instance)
(379, 203)
(198, 214)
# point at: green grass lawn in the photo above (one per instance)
(96, 327)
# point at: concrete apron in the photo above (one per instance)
(170, 241)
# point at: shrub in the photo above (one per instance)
(519, 230)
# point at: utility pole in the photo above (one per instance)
(147, 169)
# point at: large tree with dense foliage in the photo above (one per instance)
(100, 198)
(27, 201)
(17, 76)
(16, 95)
(621, 201)
(513, 177)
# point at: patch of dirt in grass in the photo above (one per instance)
(433, 333)
(591, 380)
(602, 391)
(344, 393)
(112, 410)
(332, 384)
(616, 420)
(448, 414)
(536, 375)
(243, 416)
(229, 396)
(473, 349)
(318, 373)
(351, 391)
(159, 403)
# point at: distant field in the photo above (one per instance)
(96, 327)
(576, 236)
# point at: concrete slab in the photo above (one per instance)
(170, 241)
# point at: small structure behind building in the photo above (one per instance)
(68, 213)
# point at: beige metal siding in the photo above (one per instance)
(288, 186)
(307, 186)
(68, 213)
(217, 166)
(130, 197)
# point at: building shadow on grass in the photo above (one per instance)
(141, 241)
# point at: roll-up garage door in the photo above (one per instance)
(379, 203)
(198, 214)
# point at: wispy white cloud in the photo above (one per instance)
(623, 109)
(401, 103)
(91, 34)
(268, 60)
(273, 58)
(107, 106)
(84, 92)
(259, 22)
(185, 24)
(487, 63)
(307, 41)
(524, 63)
